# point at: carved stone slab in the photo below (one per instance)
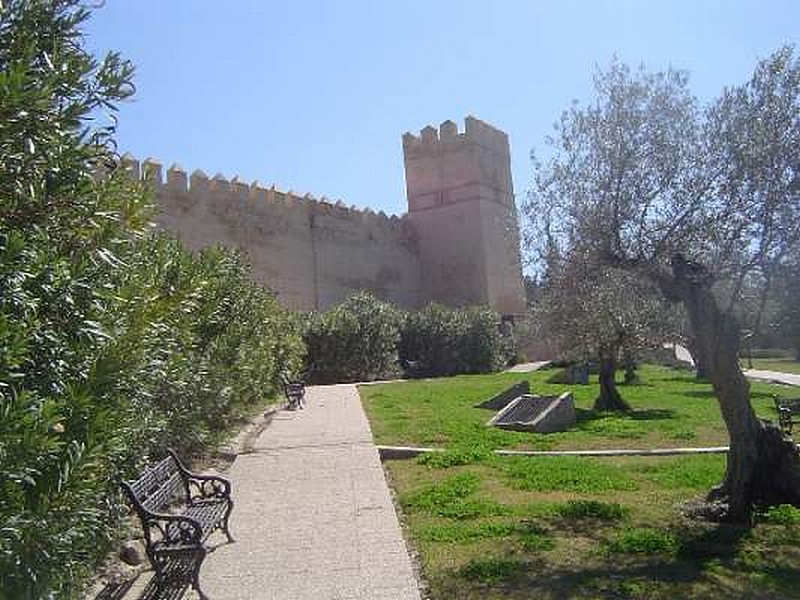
(540, 414)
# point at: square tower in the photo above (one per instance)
(461, 205)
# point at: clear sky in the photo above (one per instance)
(314, 96)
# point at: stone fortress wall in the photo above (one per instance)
(457, 245)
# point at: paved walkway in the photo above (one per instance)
(773, 376)
(682, 353)
(313, 516)
(528, 367)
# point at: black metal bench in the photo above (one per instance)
(294, 389)
(179, 510)
(788, 412)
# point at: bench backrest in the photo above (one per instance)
(159, 485)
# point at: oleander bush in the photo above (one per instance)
(114, 342)
(353, 341)
(364, 339)
(442, 341)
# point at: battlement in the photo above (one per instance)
(176, 182)
(430, 140)
(458, 243)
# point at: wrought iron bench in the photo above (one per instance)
(179, 510)
(788, 412)
(294, 389)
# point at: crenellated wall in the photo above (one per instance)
(458, 245)
(313, 253)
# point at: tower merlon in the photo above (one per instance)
(177, 179)
(151, 171)
(486, 135)
(448, 130)
(198, 180)
(429, 135)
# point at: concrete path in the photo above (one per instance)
(313, 517)
(773, 376)
(528, 367)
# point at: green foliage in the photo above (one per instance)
(460, 533)
(691, 472)
(452, 498)
(353, 341)
(113, 343)
(783, 514)
(493, 570)
(643, 540)
(454, 458)
(565, 473)
(592, 509)
(447, 341)
(362, 339)
(536, 541)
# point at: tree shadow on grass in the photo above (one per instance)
(169, 590)
(584, 415)
(535, 579)
(720, 542)
(685, 379)
(709, 394)
(626, 575)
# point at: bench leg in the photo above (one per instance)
(225, 524)
(196, 575)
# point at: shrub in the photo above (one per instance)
(446, 341)
(113, 342)
(354, 341)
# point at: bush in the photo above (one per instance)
(113, 343)
(354, 341)
(443, 341)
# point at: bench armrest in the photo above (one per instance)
(172, 530)
(202, 487)
(177, 531)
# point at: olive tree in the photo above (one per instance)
(698, 200)
(602, 313)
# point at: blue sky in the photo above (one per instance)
(314, 96)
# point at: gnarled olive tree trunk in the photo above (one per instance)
(701, 370)
(763, 467)
(609, 398)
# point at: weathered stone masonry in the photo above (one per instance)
(458, 244)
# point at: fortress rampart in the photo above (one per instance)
(457, 245)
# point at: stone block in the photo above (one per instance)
(539, 414)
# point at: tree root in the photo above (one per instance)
(772, 479)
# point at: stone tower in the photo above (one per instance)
(461, 204)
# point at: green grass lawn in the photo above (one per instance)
(784, 365)
(491, 527)
(670, 409)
